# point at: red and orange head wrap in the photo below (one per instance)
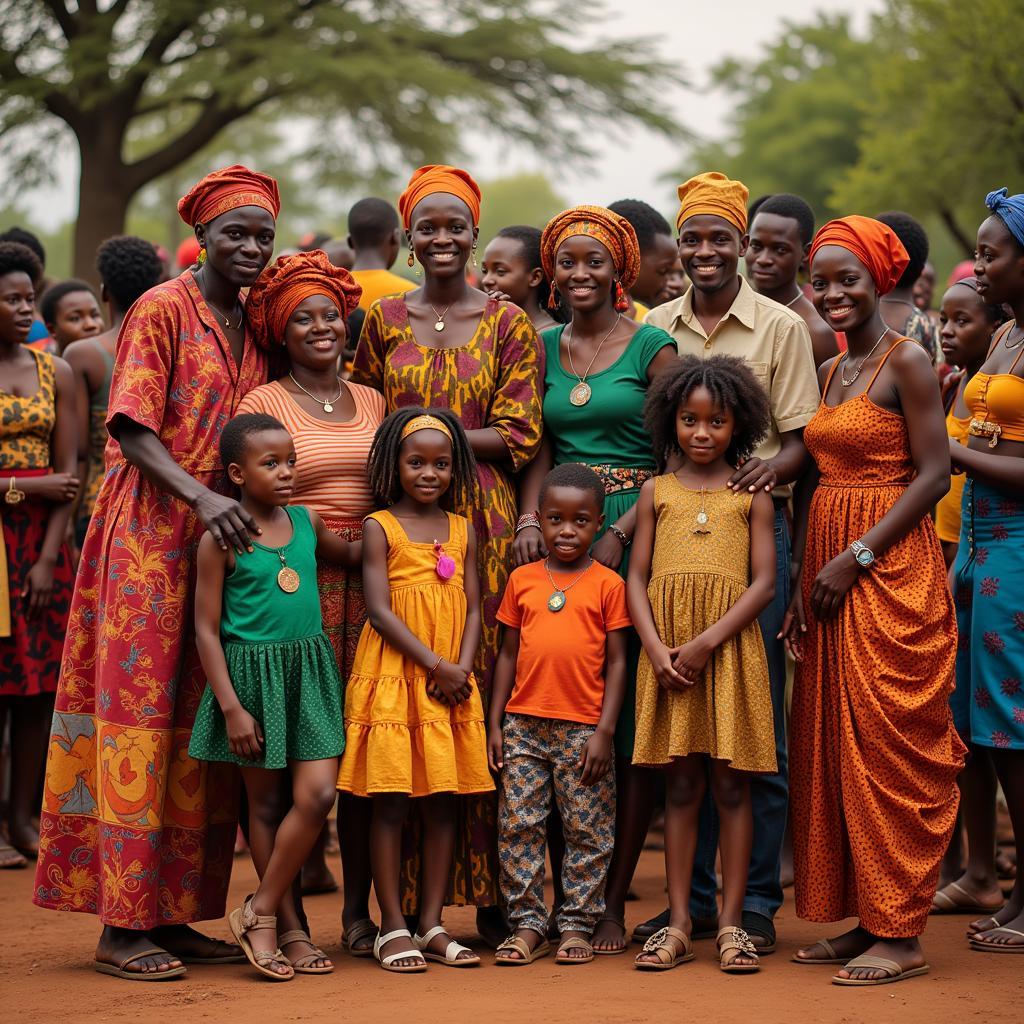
(282, 286)
(228, 189)
(434, 178)
(714, 193)
(872, 242)
(615, 233)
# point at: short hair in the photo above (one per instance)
(785, 204)
(128, 267)
(529, 239)
(914, 239)
(51, 297)
(371, 222)
(646, 221)
(24, 237)
(234, 438)
(15, 257)
(577, 475)
(732, 386)
(754, 208)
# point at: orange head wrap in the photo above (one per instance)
(872, 242)
(714, 193)
(615, 233)
(228, 189)
(426, 181)
(282, 286)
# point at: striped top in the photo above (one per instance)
(332, 457)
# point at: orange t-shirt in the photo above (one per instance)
(378, 283)
(560, 669)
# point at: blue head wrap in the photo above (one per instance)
(1010, 209)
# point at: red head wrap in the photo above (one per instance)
(282, 286)
(872, 242)
(615, 233)
(426, 181)
(228, 189)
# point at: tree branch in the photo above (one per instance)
(65, 19)
(949, 219)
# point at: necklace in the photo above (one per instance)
(702, 515)
(327, 403)
(287, 577)
(842, 376)
(798, 295)
(227, 322)
(556, 602)
(1016, 344)
(439, 326)
(581, 393)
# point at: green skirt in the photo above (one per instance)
(292, 688)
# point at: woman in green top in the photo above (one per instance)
(598, 368)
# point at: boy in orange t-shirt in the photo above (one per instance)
(559, 685)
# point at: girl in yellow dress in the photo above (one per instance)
(414, 720)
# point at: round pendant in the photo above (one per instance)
(439, 326)
(288, 580)
(328, 407)
(702, 518)
(556, 602)
(580, 394)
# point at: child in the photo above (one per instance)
(702, 568)
(414, 718)
(70, 311)
(559, 685)
(273, 701)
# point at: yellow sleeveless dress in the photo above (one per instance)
(698, 572)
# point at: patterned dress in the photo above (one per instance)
(132, 828)
(493, 381)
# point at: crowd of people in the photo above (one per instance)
(489, 573)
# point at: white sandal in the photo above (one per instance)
(450, 957)
(408, 954)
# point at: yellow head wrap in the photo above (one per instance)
(426, 422)
(714, 193)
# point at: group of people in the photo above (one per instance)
(489, 569)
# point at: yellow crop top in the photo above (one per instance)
(996, 403)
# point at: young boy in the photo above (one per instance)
(559, 684)
(70, 311)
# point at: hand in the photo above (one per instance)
(691, 659)
(753, 475)
(229, 524)
(794, 624)
(608, 551)
(55, 487)
(528, 547)
(500, 295)
(495, 751)
(664, 670)
(245, 737)
(452, 682)
(832, 584)
(596, 759)
(38, 589)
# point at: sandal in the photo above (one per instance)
(983, 924)
(300, 964)
(983, 945)
(387, 962)
(955, 899)
(522, 947)
(619, 920)
(361, 929)
(118, 970)
(10, 858)
(574, 942)
(732, 944)
(670, 954)
(759, 926)
(893, 971)
(831, 957)
(450, 957)
(245, 920)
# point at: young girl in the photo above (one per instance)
(273, 701)
(701, 570)
(414, 719)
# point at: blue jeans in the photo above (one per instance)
(769, 793)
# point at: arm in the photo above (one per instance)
(77, 357)
(598, 754)
(782, 468)
(501, 689)
(333, 548)
(528, 545)
(1004, 472)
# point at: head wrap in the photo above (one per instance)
(228, 189)
(425, 422)
(872, 242)
(282, 286)
(615, 233)
(1010, 209)
(188, 252)
(712, 192)
(426, 181)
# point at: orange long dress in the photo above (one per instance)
(874, 754)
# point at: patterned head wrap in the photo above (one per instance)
(228, 189)
(615, 233)
(872, 242)
(425, 422)
(426, 181)
(1010, 209)
(712, 192)
(282, 286)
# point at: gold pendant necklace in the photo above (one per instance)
(327, 403)
(556, 602)
(439, 326)
(287, 577)
(581, 392)
(702, 515)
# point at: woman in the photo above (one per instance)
(511, 269)
(37, 478)
(874, 751)
(132, 829)
(597, 371)
(299, 310)
(446, 344)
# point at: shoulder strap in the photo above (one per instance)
(883, 360)
(46, 371)
(457, 532)
(831, 373)
(1013, 365)
(386, 521)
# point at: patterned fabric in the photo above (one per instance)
(918, 327)
(541, 756)
(132, 828)
(614, 232)
(27, 423)
(617, 479)
(341, 597)
(228, 189)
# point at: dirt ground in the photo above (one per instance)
(45, 974)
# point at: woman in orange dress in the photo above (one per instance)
(875, 754)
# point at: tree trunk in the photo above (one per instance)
(962, 239)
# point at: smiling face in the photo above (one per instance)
(966, 330)
(316, 333)
(505, 269)
(844, 291)
(704, 429)
(77, 316)
(999, 263)
(710, 249)
(442, 234)
(239, 243)
(655, 266)
(425, 465)
(569, 521)
(267, 470)
(584, 273)
(17, 307)
(775, 252)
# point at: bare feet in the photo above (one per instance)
(532, 939)
(185, 942)
(118, 944)
(846, 947)
(906, 952)
(609, 935)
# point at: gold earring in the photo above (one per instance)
(201, 258)
(412, 259)
(474, 254)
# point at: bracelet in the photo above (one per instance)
(12, 495)
(431, 671)
(528, 520)
(619, 535)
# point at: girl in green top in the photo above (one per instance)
(273, 701)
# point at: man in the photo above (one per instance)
(781, 232)
(658, 254)
(722, 314)
(374, 237)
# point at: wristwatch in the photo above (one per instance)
(12, 495)
(864, 555)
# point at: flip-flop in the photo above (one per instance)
(893, 971)
(619, 922)
(118, 970)
(450, 956)
(762, 926)
(982, 945)
(298, 964)
(361, 929)
(984, 924)
(832, 958)
(521, 946)
(574, 942)
(955, 899)
(669, 954)
(11, 859)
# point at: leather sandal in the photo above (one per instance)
(732, 944)
(119, 969)
(831, 957)
(669, 954)
(388, 962)
(450, 956)
(892, 971)
(522, 947)
(245, 920)
(361, 929)
(302, 964)
(574, 942)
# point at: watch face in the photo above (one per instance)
(864, 557)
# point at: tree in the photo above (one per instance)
(520, 199)
(145, 84)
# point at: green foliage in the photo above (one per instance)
(520, 199)
(57, 243)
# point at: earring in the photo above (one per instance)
(621, 301)
(412, 259)
(201, 258)
(553, 298)
(474, 254)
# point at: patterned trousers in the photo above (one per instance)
(542, 755)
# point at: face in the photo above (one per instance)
(844, 291)
(267, 470)
(425, 465)
(674, 284)
(998, 263)
(775, 252)
(569, 521)
(584, 273)
(710, 249)
(316, 333)
(17, 307)
(655, 266)
(77, 316)
(965, 328)
(703, 428)
(505, 269)
(924, 288)
(442, 234)
(239, 243)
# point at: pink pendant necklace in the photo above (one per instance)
(445, 567)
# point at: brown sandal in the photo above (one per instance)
(364, 928)
(669, 954)
(522, 947)
(245, 920)
(575, 942)
(300, 965)
(119, 969)
(732, 944)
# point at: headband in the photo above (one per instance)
(425, 422)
